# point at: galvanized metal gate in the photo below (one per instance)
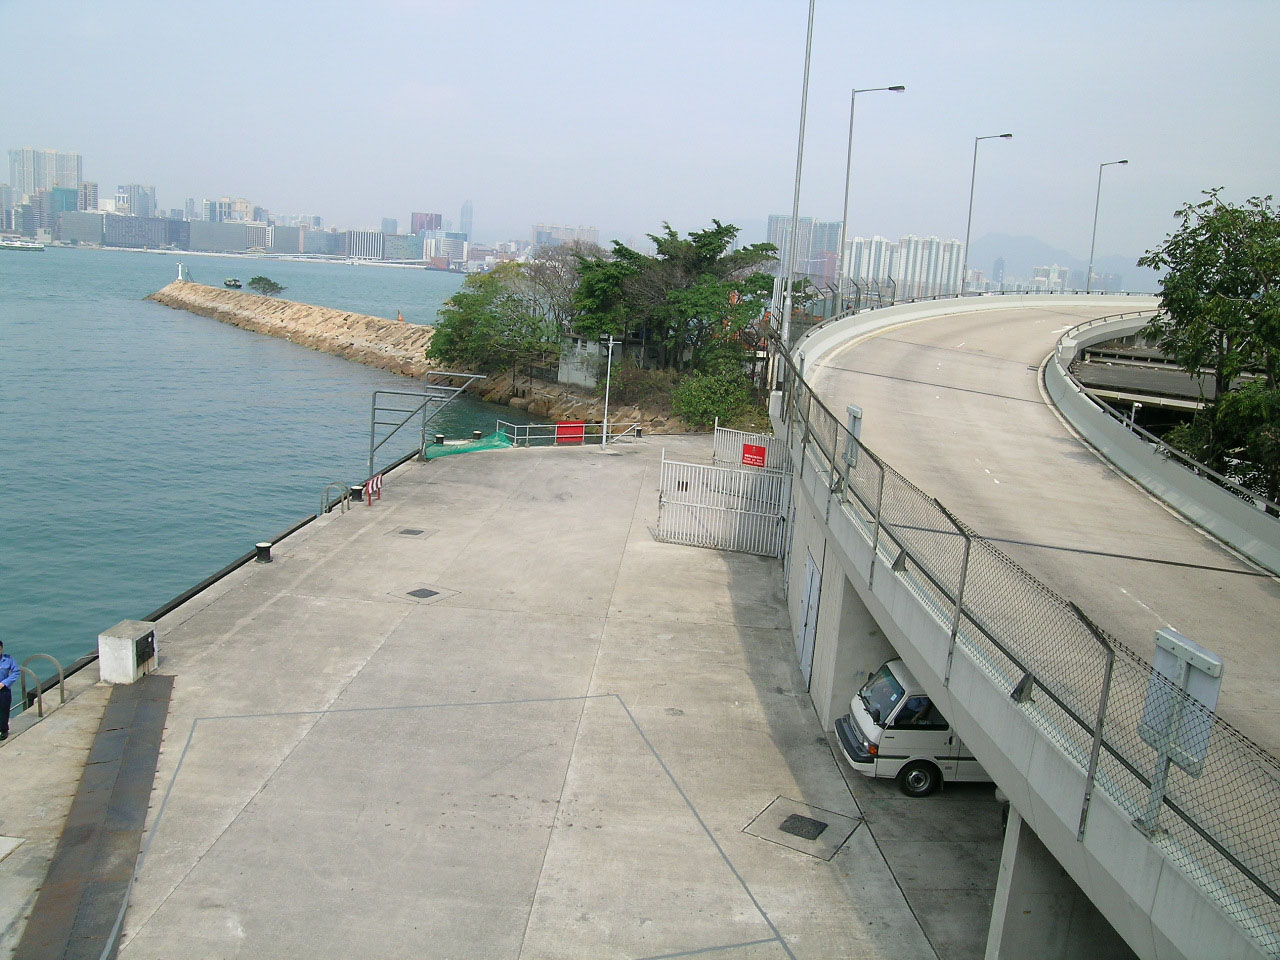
(724, 508)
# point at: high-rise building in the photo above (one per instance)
(425, 221)
(871, 261)
(31, 170)
(364, 244)
(927, 266)
(779, 234)
(88, 196)
(465, 219)
(553, 235)
(997, 272)
(390, 226)
(136, 200)
(192, 210)
(823, 261)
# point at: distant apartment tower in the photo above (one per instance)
(425, 221)
(997, 272)
(390, 226)
(136, 200)
(87, 196)
(553, 235)
(364, 244)
(465, 219)
(928, 266)
(871, 260)
(31, 170)
(823, 261)
(779, 234)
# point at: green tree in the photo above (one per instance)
(489, 325)
(1220, 313)
(692, 297)
(265, 286)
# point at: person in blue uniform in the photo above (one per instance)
(9, 674)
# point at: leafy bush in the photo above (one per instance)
(632, 385)
(702, 397)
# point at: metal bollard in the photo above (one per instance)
(264, 552)
(439, 438)
(476, 434)
(357, 492)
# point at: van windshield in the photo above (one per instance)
(881, 694)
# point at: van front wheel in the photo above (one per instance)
(919, 779)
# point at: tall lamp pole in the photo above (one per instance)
(848, 169)
(973, 177)
(1088, 277)
(795, 201)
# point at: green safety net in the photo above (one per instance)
(494, 441)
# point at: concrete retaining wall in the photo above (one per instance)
(373, 341)
(1223, 514)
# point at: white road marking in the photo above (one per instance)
(961, 344)
(1139, 603)
(994, 480)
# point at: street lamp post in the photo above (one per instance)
(1088, 277)
(785, 330)
(848, 169)
(973, 177)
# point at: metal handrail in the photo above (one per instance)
(62, 689)
(326, 506)
(38, 693)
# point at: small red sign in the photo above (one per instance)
(571, 431)
(753, 455)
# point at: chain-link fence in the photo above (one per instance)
(1101, 703)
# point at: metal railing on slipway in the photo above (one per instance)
(1220, 827)
(550, 434)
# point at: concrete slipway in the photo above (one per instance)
(573, 742)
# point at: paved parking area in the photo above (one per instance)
(491, 716)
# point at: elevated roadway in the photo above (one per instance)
(951, 399)
(954, 403)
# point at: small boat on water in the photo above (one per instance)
(231, 282)
(17, 243)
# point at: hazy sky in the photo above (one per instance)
(623, 114)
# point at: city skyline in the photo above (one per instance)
(557, 112)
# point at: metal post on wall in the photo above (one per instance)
(1096, 751)
(875, 535)
(964, 576)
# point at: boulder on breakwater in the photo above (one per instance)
(373, 341)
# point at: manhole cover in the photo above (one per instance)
(411, 532)
(423, 593)
(806, 828)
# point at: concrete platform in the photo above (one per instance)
(556, 752)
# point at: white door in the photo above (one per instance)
(809, 631)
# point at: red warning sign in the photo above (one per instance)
(753, 455)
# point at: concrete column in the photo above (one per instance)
(1040, 912)
(849, 645)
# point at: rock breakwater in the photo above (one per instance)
(395, 346)
(373, 341)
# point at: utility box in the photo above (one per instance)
(127, 651)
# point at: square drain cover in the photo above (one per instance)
(424, 593)
(806, 828)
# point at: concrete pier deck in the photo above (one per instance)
(490, 716)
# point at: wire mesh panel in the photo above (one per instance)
(723, 508)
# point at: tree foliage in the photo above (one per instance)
(265, 286)
(691, 297)
(492, 324)
(1220, 313)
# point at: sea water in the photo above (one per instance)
(143, 448)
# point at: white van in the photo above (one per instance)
(894, 730)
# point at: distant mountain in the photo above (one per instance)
(1022, 254)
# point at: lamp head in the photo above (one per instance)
(896, 89)
(1006, 136)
